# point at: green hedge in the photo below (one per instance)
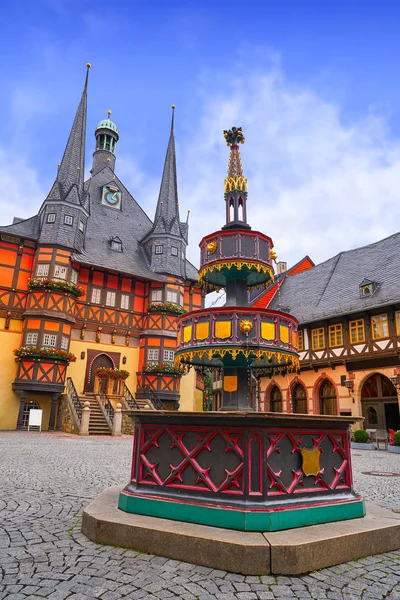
(361, 436)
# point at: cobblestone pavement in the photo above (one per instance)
(47, 479)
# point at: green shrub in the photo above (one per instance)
(361, 436)
(396, 439)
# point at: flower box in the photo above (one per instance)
(108, 373)
(360, 446)
(55, 285)
(166, 368)
(393, 449)
(166, 307)
(43, 353)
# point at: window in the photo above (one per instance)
(275, 400)
(49, 340)
(110, 299)
(380, 327)
(159, 249)
(51, 217)
(299, 399)
(74, 276)
(174, 251)
(68, 220)
(366, 290)
(169, 356)
(152, 355)
(156, 296)
(81, 226)
(301, 340)
(357, 333)
(42, 270)
(116, 245)
(335, 335)
(60, 272)
(64, 343)
(172, 296)
(31, 339)
(318, 338)
(96, 295)
(125, 301)
(327, 399)
(398, 322)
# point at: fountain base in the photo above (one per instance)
(243, 471)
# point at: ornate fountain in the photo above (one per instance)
(238, 468)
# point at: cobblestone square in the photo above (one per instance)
(47, 480)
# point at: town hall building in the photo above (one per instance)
(90, 290)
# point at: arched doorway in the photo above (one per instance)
(275, 399)
(299, 397)
(379, 403)
(327, 398)
(102, 360)
(29, 404)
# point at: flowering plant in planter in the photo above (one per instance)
(55, 285)
(109, 373)
(161, 368)
(166, 307)
(32, 352)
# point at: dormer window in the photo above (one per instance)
(51, 218)
(368, 287)
(116, 244)
(159, 249)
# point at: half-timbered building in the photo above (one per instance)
(348, 308)
(91, 281)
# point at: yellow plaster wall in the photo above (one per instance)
(77, 370)
(9, 401)
(188, 401)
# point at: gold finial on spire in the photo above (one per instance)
(173, 107)
(235, 179)
(88, 65)
(109, 113)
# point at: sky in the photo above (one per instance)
(314, 85)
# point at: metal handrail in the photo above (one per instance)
(150, 394)
(130, 399)
(70, 390)
(108, 407)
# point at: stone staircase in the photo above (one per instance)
(98, 424)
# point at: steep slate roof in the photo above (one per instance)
(167, 219)
(28, 228)
(332, 288)
(130, 224)
(69, 181)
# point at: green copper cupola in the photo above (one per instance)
(107, 136)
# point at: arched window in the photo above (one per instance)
(101, 360)
(327, 399)
(275, 399)
(231, 211)
(29, 404)
(380, 403)
(299, 397)
(240, 210)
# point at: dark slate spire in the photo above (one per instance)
(166, 219)
(69, 181)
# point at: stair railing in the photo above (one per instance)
(148, 393)
(74, 401)
(130, 399)
(107, 407)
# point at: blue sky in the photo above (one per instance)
(314, 84)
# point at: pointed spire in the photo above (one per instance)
(72, 166)
(166, 219)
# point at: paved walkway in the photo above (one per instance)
(47, 479)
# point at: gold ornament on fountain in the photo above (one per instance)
(246, 326)
(212, 246)
(273, 255)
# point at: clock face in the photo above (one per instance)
(111, 197)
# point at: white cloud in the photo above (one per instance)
(317, 185)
